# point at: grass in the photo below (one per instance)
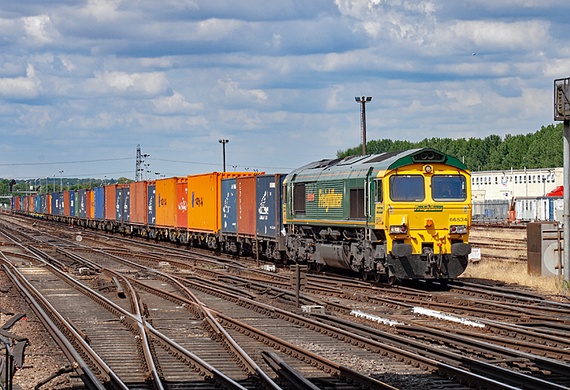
(514, 273)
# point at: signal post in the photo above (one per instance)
(298, 279)
(562, 113)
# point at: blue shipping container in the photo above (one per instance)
(57, 203)
(151, 199)
(38, 203)
(269, 207)
(99, 198)
(229, 205)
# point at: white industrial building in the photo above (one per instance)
(494, 193)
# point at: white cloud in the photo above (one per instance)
(271, 76)
(215, 29)
(103, 10)
(39, 29)
(397, 19)
(492, 4)
(148, 84)
(465, 98)
(175, 104)
(21, 87)
(495, 35)
(233, 90)
(557, 68)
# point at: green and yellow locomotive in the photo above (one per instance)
(392, 216)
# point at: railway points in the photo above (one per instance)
(258, 310)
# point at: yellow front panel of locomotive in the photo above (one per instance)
(427, 221)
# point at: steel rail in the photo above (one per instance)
(405, 350)
(250, 363)
(541, 362)
(42, 309)
(124, 315)
(284, 370)
(216, 327)
(318, 360)
(141, 324)
(379, 339)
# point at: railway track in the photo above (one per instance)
(500, 243)
(332, 348)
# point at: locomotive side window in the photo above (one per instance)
(448, 188)
(379, 195)
(299, 199)
(406, 188)
(357, 203)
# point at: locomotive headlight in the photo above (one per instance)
(458, 229)
(398, 229)
(428, 169)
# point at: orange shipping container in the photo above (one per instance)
(138, 208)
(66, 203)
(204, 208)
(111, 202)
(246, 205)
(166, 202)
(90, 194)
(48, 204)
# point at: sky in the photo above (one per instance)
(82, 83)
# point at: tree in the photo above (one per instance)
(542, 149)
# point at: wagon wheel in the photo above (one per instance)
(319, 267)
(239, 251)
(364, 274)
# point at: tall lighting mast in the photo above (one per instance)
(224, 141)
(363, 100)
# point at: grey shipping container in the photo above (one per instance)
(72, 203)
(269, 207)
(57, 203)
(151, 200)
(122, 204)
(82, 204)
(229, 205)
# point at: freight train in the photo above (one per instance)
(391, 216)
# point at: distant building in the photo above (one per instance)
(514, 183)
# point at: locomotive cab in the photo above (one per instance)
(427, 221)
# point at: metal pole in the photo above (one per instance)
(566, 206)
(298, 284)
(224, 142)
(363, 100)
(363, 121)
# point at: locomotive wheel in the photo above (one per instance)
(377, 277)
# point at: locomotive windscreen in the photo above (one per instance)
(406, 188)
(448, 188)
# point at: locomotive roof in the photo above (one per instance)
(379, 162)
